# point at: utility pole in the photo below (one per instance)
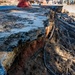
(68, 2)
(74, 1)
(61, 1)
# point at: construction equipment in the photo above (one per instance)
(26, 3)
(23, 3)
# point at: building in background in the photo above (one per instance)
(15, 2)
(68, 2)
(63, 2)
(8, 2)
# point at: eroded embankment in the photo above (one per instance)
(59, 55)
(22, 33)
(40, 56)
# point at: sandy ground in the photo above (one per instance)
(69, 8)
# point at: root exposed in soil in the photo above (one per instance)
(58, 55)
